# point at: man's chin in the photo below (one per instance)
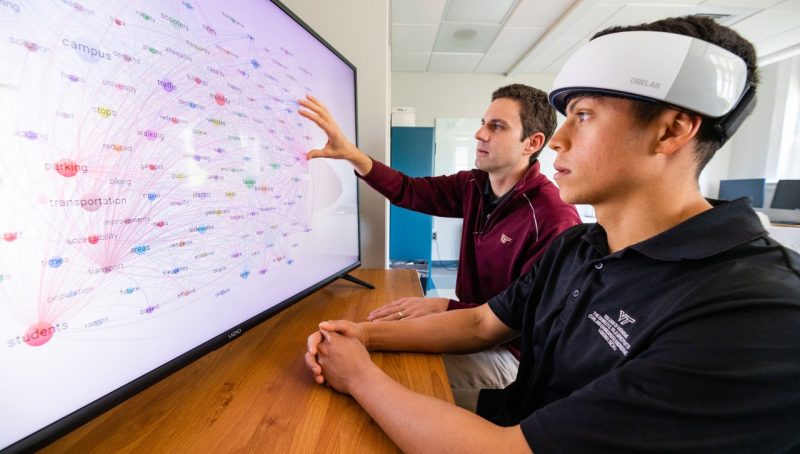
(572, 197)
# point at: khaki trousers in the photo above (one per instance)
(468, 374)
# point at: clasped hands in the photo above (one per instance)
(337, 354)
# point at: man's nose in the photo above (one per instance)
(481, 135)
(558, 142)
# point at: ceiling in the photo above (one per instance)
(514, 37)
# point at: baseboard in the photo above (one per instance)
(445, 263)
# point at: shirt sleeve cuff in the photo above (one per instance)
(453, 304)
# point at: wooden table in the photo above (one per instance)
(255, 394)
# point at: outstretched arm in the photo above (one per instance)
(438, 196)
(337, 147)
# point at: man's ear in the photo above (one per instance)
(534, 143)
(676, 129)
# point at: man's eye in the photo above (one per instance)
(582, 116)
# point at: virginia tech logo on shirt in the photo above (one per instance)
(505, 239)
(624, 318)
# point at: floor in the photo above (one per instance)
(444, 282)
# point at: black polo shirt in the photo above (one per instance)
(688, 341)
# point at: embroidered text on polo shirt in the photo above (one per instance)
(613, 332)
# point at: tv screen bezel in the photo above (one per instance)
(72, 421)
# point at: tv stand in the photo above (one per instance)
(356, 280)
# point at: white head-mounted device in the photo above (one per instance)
(673, 69)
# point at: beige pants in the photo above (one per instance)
(468, 374)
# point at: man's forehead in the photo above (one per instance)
(572, 100)
(503, 109)
(597, 98)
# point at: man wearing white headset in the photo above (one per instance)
(673, 324)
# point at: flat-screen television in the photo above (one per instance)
(156, 199)
(755, 188)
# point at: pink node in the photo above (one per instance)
(90, 202)
(93, 239)
(38, 334)
(10, 236)
(67, 167)
(219, 98)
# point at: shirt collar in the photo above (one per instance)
(723, 227)
(490, 201)
(531, 174)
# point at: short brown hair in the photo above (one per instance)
(535, 112)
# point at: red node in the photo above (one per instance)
(219, 98)
(67, 167)
(38, 334)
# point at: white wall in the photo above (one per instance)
(455, 151)
(359, 30)
(453, 95)
(760, 134)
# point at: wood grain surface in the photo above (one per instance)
(256, 395)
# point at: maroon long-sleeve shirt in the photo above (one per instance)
(495, 249)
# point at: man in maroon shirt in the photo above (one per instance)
(511, 214)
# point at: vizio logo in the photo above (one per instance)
(234, 333)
